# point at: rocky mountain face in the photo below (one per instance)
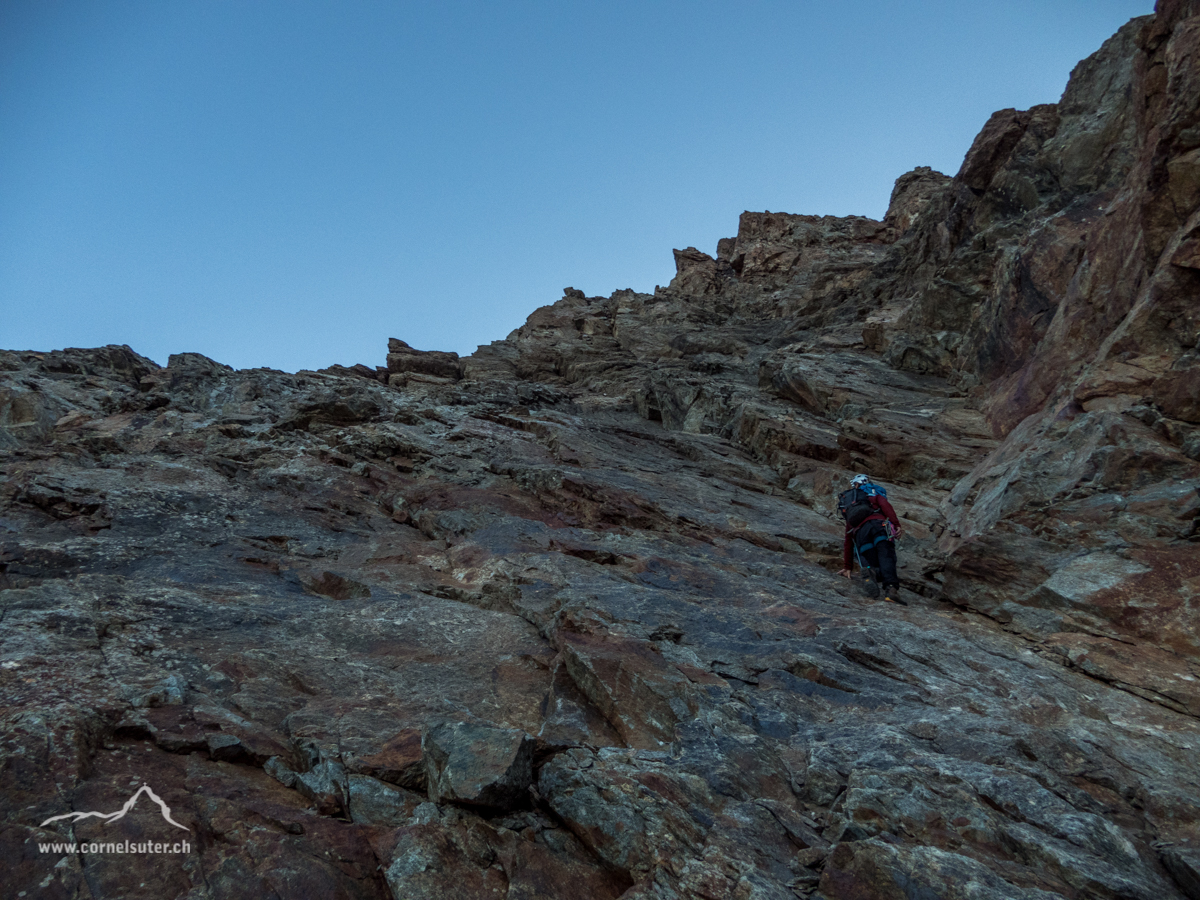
(562, 618)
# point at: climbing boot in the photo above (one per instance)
(870, 586)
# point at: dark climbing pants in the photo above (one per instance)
(878, 552)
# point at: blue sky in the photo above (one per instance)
(288, 184)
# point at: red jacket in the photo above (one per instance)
(883, 512)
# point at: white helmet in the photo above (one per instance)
(858, 479)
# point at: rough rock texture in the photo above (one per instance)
(480, 765)
(561, 618)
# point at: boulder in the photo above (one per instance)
(477, 765)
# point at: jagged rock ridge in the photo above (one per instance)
(559, 618)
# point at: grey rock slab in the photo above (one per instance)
(875, 868)
(325, 785)
(374, 802)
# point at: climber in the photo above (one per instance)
(871, 531)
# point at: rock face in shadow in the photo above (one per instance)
(479, 765)
(562, 619)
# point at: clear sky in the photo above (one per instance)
(288, 184)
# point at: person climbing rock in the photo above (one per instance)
(871, 531)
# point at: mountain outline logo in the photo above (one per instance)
(120, 813)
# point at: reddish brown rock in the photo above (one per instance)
(1177, 394)
(642, 696)
(403, 359)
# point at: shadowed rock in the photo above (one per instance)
(479, 765)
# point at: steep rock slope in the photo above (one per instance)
(560, 619)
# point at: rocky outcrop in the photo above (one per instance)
(562, 618)
(405, 363)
